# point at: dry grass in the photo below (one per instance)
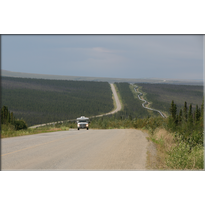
(30, 131)
(163, 141)
(172, 155)
(167, 137)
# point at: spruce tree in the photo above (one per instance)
(202, 114)
(190, 114)
(8, 117)
(4, 115)
(197, 114)
(202, 109)
(180, 116)
(173, 110)
(185, 112)
(12, 118)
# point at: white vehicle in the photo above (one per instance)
(82, 122)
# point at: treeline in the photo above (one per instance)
(112, 122)
(41, 101)
(187, 124)
(188, 128)
(187, 115)
(8, 119)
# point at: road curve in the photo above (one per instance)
(116, 149)
(145, 102)
(119, 107)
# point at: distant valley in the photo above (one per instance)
(6, 73)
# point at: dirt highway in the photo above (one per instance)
(116, 149)
(117, 101)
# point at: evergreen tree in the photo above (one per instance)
(4, 115)
(8, 117)
(197, 114)
(173, 110)
(180, 117)
(177, 119)
(202, 109)
(12, 118)
(185, 112)
(190, 116)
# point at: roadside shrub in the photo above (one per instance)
(7, 127)
(152, 123)
(182, 157)
(192, 139)
(195, 139)
(73, 125)
(20, 124)
(58, 125)
(197, 156)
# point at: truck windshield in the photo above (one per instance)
(82, 121)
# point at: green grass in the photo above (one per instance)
(181, 158)
(173, 155)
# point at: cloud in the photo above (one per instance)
(133, 56)
(95, 54)
(101, 50)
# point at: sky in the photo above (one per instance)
(115, 56)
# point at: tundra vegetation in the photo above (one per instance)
(179, 139)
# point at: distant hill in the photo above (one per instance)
(102, 79)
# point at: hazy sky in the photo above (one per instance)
(117, 56)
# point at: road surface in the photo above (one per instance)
(118, 108)
(116, 149)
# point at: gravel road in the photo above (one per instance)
(116, 149)
(118, 104)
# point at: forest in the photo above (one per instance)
(40, 101)
(179, 138)
(132, 106)
(160, 95)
